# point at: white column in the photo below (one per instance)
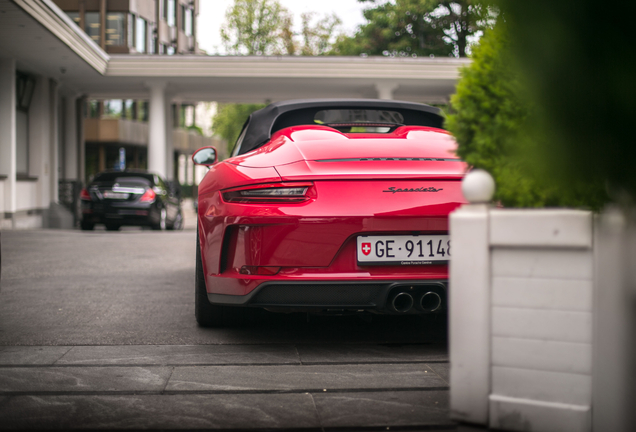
(469, 305)
(80, 109)
(169, 144)
(157, 146)
(71, 154)
(54, 141)
(7, 136)
(385, 89)
(182, 169)
(614, 323)
(469, 320)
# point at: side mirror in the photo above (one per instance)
(205, 156)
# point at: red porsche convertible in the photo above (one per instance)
(328, 206)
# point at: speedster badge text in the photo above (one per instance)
(421, 189)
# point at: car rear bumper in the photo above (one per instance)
(137, 214)
(426, 296)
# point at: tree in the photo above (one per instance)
(578, 63)
(492, 123)
(318, 38)
(264, 27)
(229, 120)
(257, 27)
(418, 28)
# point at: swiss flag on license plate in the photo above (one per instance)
(366, 248)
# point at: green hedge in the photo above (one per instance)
(493, 120)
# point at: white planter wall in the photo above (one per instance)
(521, 318)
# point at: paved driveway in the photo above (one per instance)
(97, 330)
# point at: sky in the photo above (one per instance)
(212, 15)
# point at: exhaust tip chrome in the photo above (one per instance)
(430, 301)
(402, 302)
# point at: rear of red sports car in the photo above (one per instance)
(322, 220)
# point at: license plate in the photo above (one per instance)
(403, 249)
(115, 195)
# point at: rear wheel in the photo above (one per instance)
(207, 314)
(87, 226)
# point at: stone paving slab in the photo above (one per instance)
(180, 355)
(83, 379)
(303, 378)
(276, 411)
(441, 369)
(221, 354)
(373, 409)
(387, 353)
(31, 355)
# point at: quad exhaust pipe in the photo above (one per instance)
(430, 301)
(403, 302)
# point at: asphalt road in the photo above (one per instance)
(97, 330)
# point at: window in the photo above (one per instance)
(22, 141)
(25, 84)
(153, 48)
(360, 120)
(75, 16)
(127, 111)
(188, 21)
(131, 30)
(142, 113)
(171, 10)
(113, 108)
(93, 108)
(186, 116)
(140, 35)
(162, 9)
(115, 23)
(92, 26)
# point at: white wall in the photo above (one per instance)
(2, 182)
(533, 368)
(39, 151)
(27, 193)
(7, 136)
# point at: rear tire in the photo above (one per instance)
(87, 226)
(210, 315)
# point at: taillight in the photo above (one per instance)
(271, 193)
(148, 196)
(84, 195)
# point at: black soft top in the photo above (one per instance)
(262, 124)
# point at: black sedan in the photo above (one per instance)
(116, 198)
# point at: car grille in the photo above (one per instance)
(336, 295)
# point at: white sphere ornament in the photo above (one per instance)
(478, 187)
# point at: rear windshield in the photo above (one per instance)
(360, 120)
(118, 177)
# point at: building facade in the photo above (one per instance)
(159, 27)
(137, 26)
